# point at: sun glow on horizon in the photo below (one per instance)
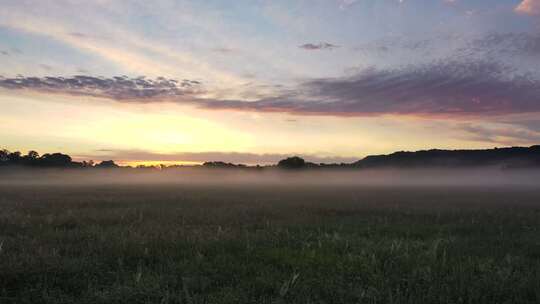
(148, 83)
(156, 164)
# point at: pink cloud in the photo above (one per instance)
(529, 7)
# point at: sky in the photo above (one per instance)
(172, 81)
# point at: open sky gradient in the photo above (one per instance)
(254, 81)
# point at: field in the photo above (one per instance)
(268, 244)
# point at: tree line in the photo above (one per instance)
(60, 160)
(508, 158)
(48, 160)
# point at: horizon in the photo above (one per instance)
(253, 82)
(4, 156)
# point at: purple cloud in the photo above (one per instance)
(441, 88)
(318, 46)
(507, 44)
(121, 88)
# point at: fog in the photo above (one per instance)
(273, 177)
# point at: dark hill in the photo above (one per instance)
(514, 157)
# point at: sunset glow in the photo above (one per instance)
(252, 81)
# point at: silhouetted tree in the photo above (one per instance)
(14, 157)
(87, 164)
(55, 160)
(107, 164)
(4, 156)
(220, 164)
(30, 159)
(294, 162)
(32, 155)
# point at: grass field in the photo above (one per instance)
(273, 244)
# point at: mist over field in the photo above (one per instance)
(269, 235)
(273, 176)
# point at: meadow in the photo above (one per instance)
(179, 243)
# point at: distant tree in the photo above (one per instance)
(4, 155)
(14, 157)
(87, 164)
(32, 155)
(107, 164)
(147, 167)
(220, 164)
(294, 162)
(55, 160)
(30, 159)
(217, 164)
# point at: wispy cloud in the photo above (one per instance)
(529, 7)
(121, 88)
(441, 88)
(492, 44)
(318, 46)
(223, 50)
(125, 49)
(507, 44)
(343, 4)
(502, 134)
(127, 59)
(399, 44)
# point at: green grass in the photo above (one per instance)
(202, 244)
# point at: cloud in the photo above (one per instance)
(507, 44)
(318, 46)
(444, 88)
(125, 49)
(440, 88)
(199, 157)
(343, 4)
(223, 50)
(495, 45)
(529, 7)
(121, 88)
(46, 67)
(78, 34)
(391, 45)
(502, 134)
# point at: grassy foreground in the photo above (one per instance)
(202, 244)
